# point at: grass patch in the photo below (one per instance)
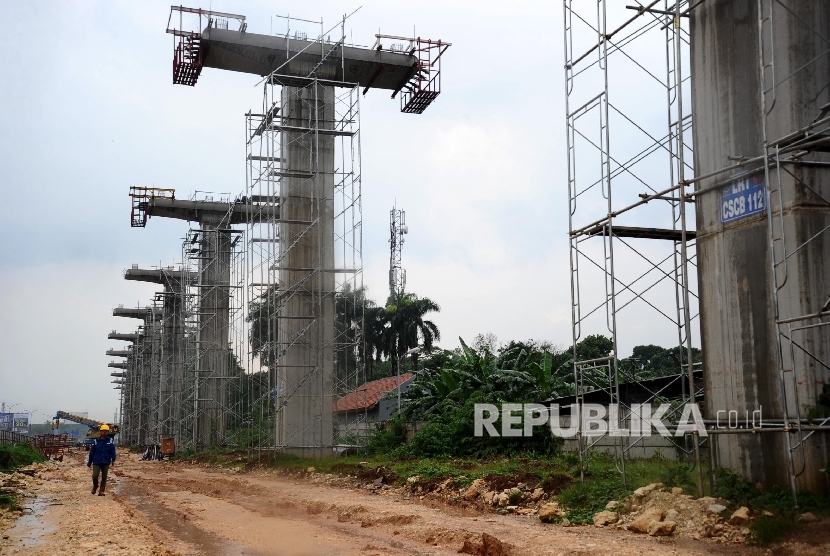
(557, 474)
(17, 456)
(9, 502)
(582, 501)
(769, 529)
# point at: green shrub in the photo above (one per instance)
(451, 432)
(19, 455)
(768, 529)
(515, 497)
(677, 474)
(387, 437)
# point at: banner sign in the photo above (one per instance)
(21, 423)
(743, 198)
(6, 421)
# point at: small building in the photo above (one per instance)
(367, 403)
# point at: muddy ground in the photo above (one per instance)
(169, 508)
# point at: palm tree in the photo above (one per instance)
(373, 346)
(407, 326)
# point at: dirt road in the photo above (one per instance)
(180, 509)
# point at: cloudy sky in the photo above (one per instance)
(88, 109)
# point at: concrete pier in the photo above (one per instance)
(172, 372)
(739, 336)
(214, 353)
(129, 401)
(214, 242)
(306, 320)
(147, 375)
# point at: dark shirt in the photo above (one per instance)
(102, 452)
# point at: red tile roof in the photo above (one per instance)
(369, 394)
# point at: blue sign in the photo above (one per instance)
(6, 421)
(21, 422)
(744, 197)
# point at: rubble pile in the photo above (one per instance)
(656, 511)
(493, 493)
(652, 510)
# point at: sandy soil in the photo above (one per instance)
(181, 509)
(62, 517)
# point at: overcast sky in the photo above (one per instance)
(88, 109)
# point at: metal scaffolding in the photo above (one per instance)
(130, 385)
(305, 293)
(212, 321)
(169, 304)
(272, 316)
(788, 184)
(631, 229)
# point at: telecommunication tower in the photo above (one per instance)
(397, 229)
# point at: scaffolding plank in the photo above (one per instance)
(643, 233)
(296, 129)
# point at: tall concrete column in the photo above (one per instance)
(127, 386)
(306, 326)
(211, 375)
(146, 415)
(739, 336)
(130, 388)
(212, 342)
(171, 378)
(147, 353)
(170, 395)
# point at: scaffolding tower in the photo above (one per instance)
(170, 305)
(212, 313)
(305, 295)
(783, 188)
(786, 189)
(631, 227)
(129, 386)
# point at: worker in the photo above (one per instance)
(101, 456)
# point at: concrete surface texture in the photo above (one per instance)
(306, 321)
(262, 54)
(740, 348)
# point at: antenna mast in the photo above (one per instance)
(397, 229)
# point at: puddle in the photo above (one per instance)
(206, 543)
(32, 523)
